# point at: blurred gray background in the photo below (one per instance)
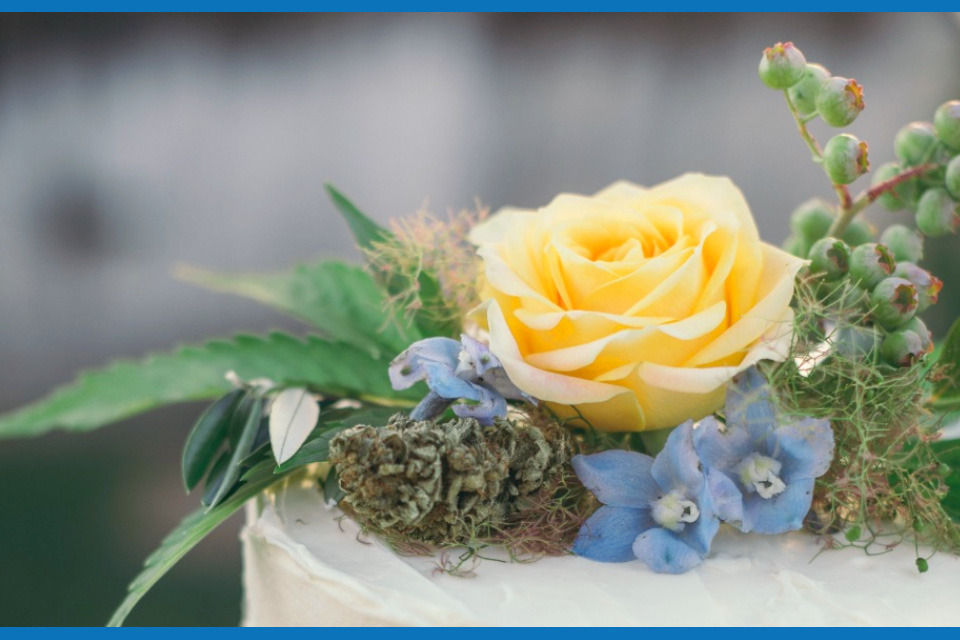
(131, 143)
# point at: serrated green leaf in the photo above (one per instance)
(126, 388)
(342, 301)
(365, 231)
(181, 540)
(205, 438)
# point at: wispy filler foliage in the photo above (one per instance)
(435, 245)
(885, 484)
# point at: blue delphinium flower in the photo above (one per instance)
(773, 465)
(658, 510)
(454, 371)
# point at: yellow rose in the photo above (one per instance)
(633, 307)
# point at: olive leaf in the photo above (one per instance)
(293, 415)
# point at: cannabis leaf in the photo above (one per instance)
(342, 301)
(126, 388)
(368, 234)
(185, 537)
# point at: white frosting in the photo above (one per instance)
(304, 568)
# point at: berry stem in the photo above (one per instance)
(868, 197)
(812, 143)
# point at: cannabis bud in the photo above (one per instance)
(444, 482)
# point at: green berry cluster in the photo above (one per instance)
(881, 278)
(934, 195)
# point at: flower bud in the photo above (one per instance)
(804, 93)
(894, 302)
(901, 348)
(914, 143)
(937, 213)
(918, 327)
(782, 66)
(811, 220)
(947, 123)
(903, 196)
(870, 263)
(830, 257)
(859, 232)
(904, 243)
(839, 101)
(928, 286)
(951, 179)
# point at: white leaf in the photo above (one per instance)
(293, 415)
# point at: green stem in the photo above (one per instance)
(868, 197)
(812, 143)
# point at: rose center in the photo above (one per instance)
(674, 512)
(761, 474)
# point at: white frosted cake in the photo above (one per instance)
(304, 566)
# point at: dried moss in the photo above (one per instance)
(446, 483)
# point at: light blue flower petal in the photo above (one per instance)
(407, 368)
(491, 405)
(608, 535)
(665, 553)
(476, 356)
(722, 449)
(618, 478)
(804, 447)
(781, 513)
(726, 497)
(432, 406)
(441, 379)
(748, 403)
(677, 466)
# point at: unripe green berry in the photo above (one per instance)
(902, 348)
(947, 123)
(811, 220)
(951, 179)
(928, 286)
(870, 263)
(804, 93)
(782, 66)
(937, 213)
(904, 243)
(796, 246)
(904, 195)
(894, 302)
(918, 327)
(914, 143)
(839, 101)
(858, 232)
(830, 257)
(845, 158)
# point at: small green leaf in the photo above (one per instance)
(946, 391)
(250, 416)
(205, 439)
(922, 565)
(293, 415)
(215, 478)
(365, 231)
(332, 493)
(185, 537)
(948, 453)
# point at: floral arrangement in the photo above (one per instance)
(615, 376)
